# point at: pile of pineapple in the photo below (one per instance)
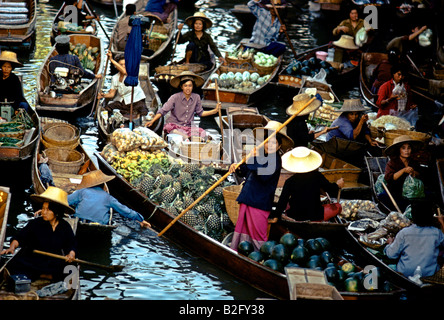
(87, 55)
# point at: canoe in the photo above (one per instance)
(30, 139)
(18, 24)
(72, 293)
(255, 274)
(68, 181)
(64, 103)
(153, 52)
(342, 76)
(152, 101)
(59, 26)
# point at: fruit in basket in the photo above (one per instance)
(265, 60)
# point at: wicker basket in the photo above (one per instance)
(231, 205)
(179, 68)
(236, 61)
(376, 132)
(264, 70)
(201, 151)
(48, 145)
(64, 160)
(61, 135)
(155, 44)
(236, 68)
(390, 135)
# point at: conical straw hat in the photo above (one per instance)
(287, 142)
(11, 57)
(399, 141)
(94, 178)
(352, 105)
(198, 15)
(55, 195)
(301, 160)
(301, 100)
(198, 80)
(346, 42)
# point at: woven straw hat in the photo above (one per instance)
(94, 178)
(54, 195)
(346, 42)
(287, 142)
(187, 75)
(301, 160)
(352, 105)
(11, 57)
(198, 15)
(301, 100)
(393, 150)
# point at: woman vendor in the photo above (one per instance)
(199, 41)
(10, 86)
(48, 232)
(262, 173)
(398, 168)
(300, 197)
(126, 96)
(350, 26)
(351, 124)
(183, 106)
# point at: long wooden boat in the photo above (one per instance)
(18, 24)
(60, 26)
(5, 292)
(153, 51)
(68, 181)
(30, 139)
(68, 103)
(255, 274)
(342, 76)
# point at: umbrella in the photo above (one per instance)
(133, 54)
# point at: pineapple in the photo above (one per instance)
(147, 184)
(168, 194)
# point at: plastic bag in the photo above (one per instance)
(150, 139)
(125, 140)
(319, 77)
(109, 153)
(413, 188)
(378, 184)
(394, 222)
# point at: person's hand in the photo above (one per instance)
(340, 183)
(344, 29)
(282, 28)
(7, 251)
(100, 95)
(149, 123)
(98, 76)
(145, 224)
(413, 106)
(409, 170)
(374, 143)
(232, 168)
(38, 213)
(109, 54)
(273, 220)
(70, 256)
(218, 106)
(390, 239)
(180, 26)
(222, 60)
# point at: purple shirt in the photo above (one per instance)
(182, 110)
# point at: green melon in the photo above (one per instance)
(256, 256)
(324, 243)
(292, 265)
(351, 284)
(299, 255)
(273, 264)
(314, 263)
(245, 248)
(289, 241)
(326, 258)
(279, 253)
(332, 274)
(267, 248)
(313, 246)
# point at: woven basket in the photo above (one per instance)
(201, 151)
(179, 68)
(236, 61)
(155, 44)
(231, 205)
(64, 160)
(48, 145)
(437, 278)
(264, 70)
(390, 135)
(376, 132)
(236, 68)
(61, 135)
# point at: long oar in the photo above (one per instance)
(285, 28)
(100, 87)
(221, 124)
(391, 197)
(237, 166)
(113, 268)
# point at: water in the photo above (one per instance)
(155, 268)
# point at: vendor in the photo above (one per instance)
(11, 90)
(183, 106)
(352, 25)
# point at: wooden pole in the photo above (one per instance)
(100, 86)
(391, 197)
(285, 28)
(244, 159)
(221, 124)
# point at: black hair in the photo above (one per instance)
(422, 213)
(62, 48)
(130, 9)
(119, 56)
(183, 81)
(398, 67)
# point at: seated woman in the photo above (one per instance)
(10, 86)
(398, 168)
(199, 41)
(351, 125)
(48, 232)
(123, 103)
(350, 26)
(183, 106)
(67, 60)
(300, 198)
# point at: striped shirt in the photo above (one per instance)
(264, 31)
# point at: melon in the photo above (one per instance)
(267, 247)
(324, 243)
(279, 253)
(245, 248)
(313, 246)
(256, 256)
(289, 241)
(273, 264)
(299, 255)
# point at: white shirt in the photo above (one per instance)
(124, 91)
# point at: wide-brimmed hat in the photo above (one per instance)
(346, 42)
(11, 57)
(62, 39)
(54, 195)
(287, 142)
(198, 15)
(352, 105)
(187, 75)
(94, 178)
(301, 100)
(393, 150)
(301, 160)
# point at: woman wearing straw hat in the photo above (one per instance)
(398, 168)
(262, 173)
(93, 204)
(352, 125)
(300, 197)
(183, 106)
(199, 41)
(351, 26)
(47, 232)
(10, 85)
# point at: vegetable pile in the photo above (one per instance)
(87, 55)
(240, 81)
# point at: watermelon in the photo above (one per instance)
(332, 274)
(267, 247)
(273, 264)
(289, 241)
(314, 263)
(348, 267)
(256, 256)
(301, 242)
(292, 265)
(326, 258)
(245, 248)
(313, 246)
(351, 285)
(279, 253)
(325, 244)
(299, 255)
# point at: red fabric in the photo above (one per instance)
(331, 210)
(385, 91)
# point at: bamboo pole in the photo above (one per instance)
(221, 124)
(285, 28)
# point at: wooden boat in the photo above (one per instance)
(245, 269)
(342, 76)
(68, 181)
(67, 101)
(154, 50)
(18, 24)
(60, 26)
(30, 139)
(72, 293)
(350, 151)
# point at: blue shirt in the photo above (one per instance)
(94, 204)
(264, 31)
(416, 246)
(157, 5)
(345, 130)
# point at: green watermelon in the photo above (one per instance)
(301, 242)
(324, 243)
(313, 246)
(326, 258)
(314, 263)
(299, 255)
(332, 274)
(279, 253)
(267, 248)
(289, 241)
(273, 264)
(245, 248)
(256, 256)
(292, 265)
(351, 284)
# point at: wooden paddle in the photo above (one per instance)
(284, 27)
(221, 124)
(391, 197)
(237, 166)
(112, 268)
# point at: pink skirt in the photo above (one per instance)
(189, 131)
(252, 226)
